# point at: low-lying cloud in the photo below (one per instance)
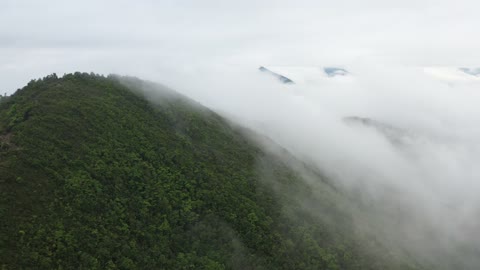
(403, 141)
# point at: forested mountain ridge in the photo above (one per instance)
(94, 176)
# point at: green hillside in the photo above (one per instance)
(94, 176)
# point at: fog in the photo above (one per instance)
(421, 185)
(419, 177)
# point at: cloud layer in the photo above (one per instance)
(412, 162)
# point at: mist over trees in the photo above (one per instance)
(95, 176)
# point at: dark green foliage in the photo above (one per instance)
(3, 98)
(92, 176)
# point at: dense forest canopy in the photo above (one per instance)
(95, 176)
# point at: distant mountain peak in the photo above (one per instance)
(305, 74)
(335, 71)
(280, 77)
(471, 71)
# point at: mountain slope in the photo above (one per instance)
(93, 176)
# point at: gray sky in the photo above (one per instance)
(151, 39)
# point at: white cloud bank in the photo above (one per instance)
(423, 183)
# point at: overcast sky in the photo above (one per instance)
(190, 45)
(150, 38)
